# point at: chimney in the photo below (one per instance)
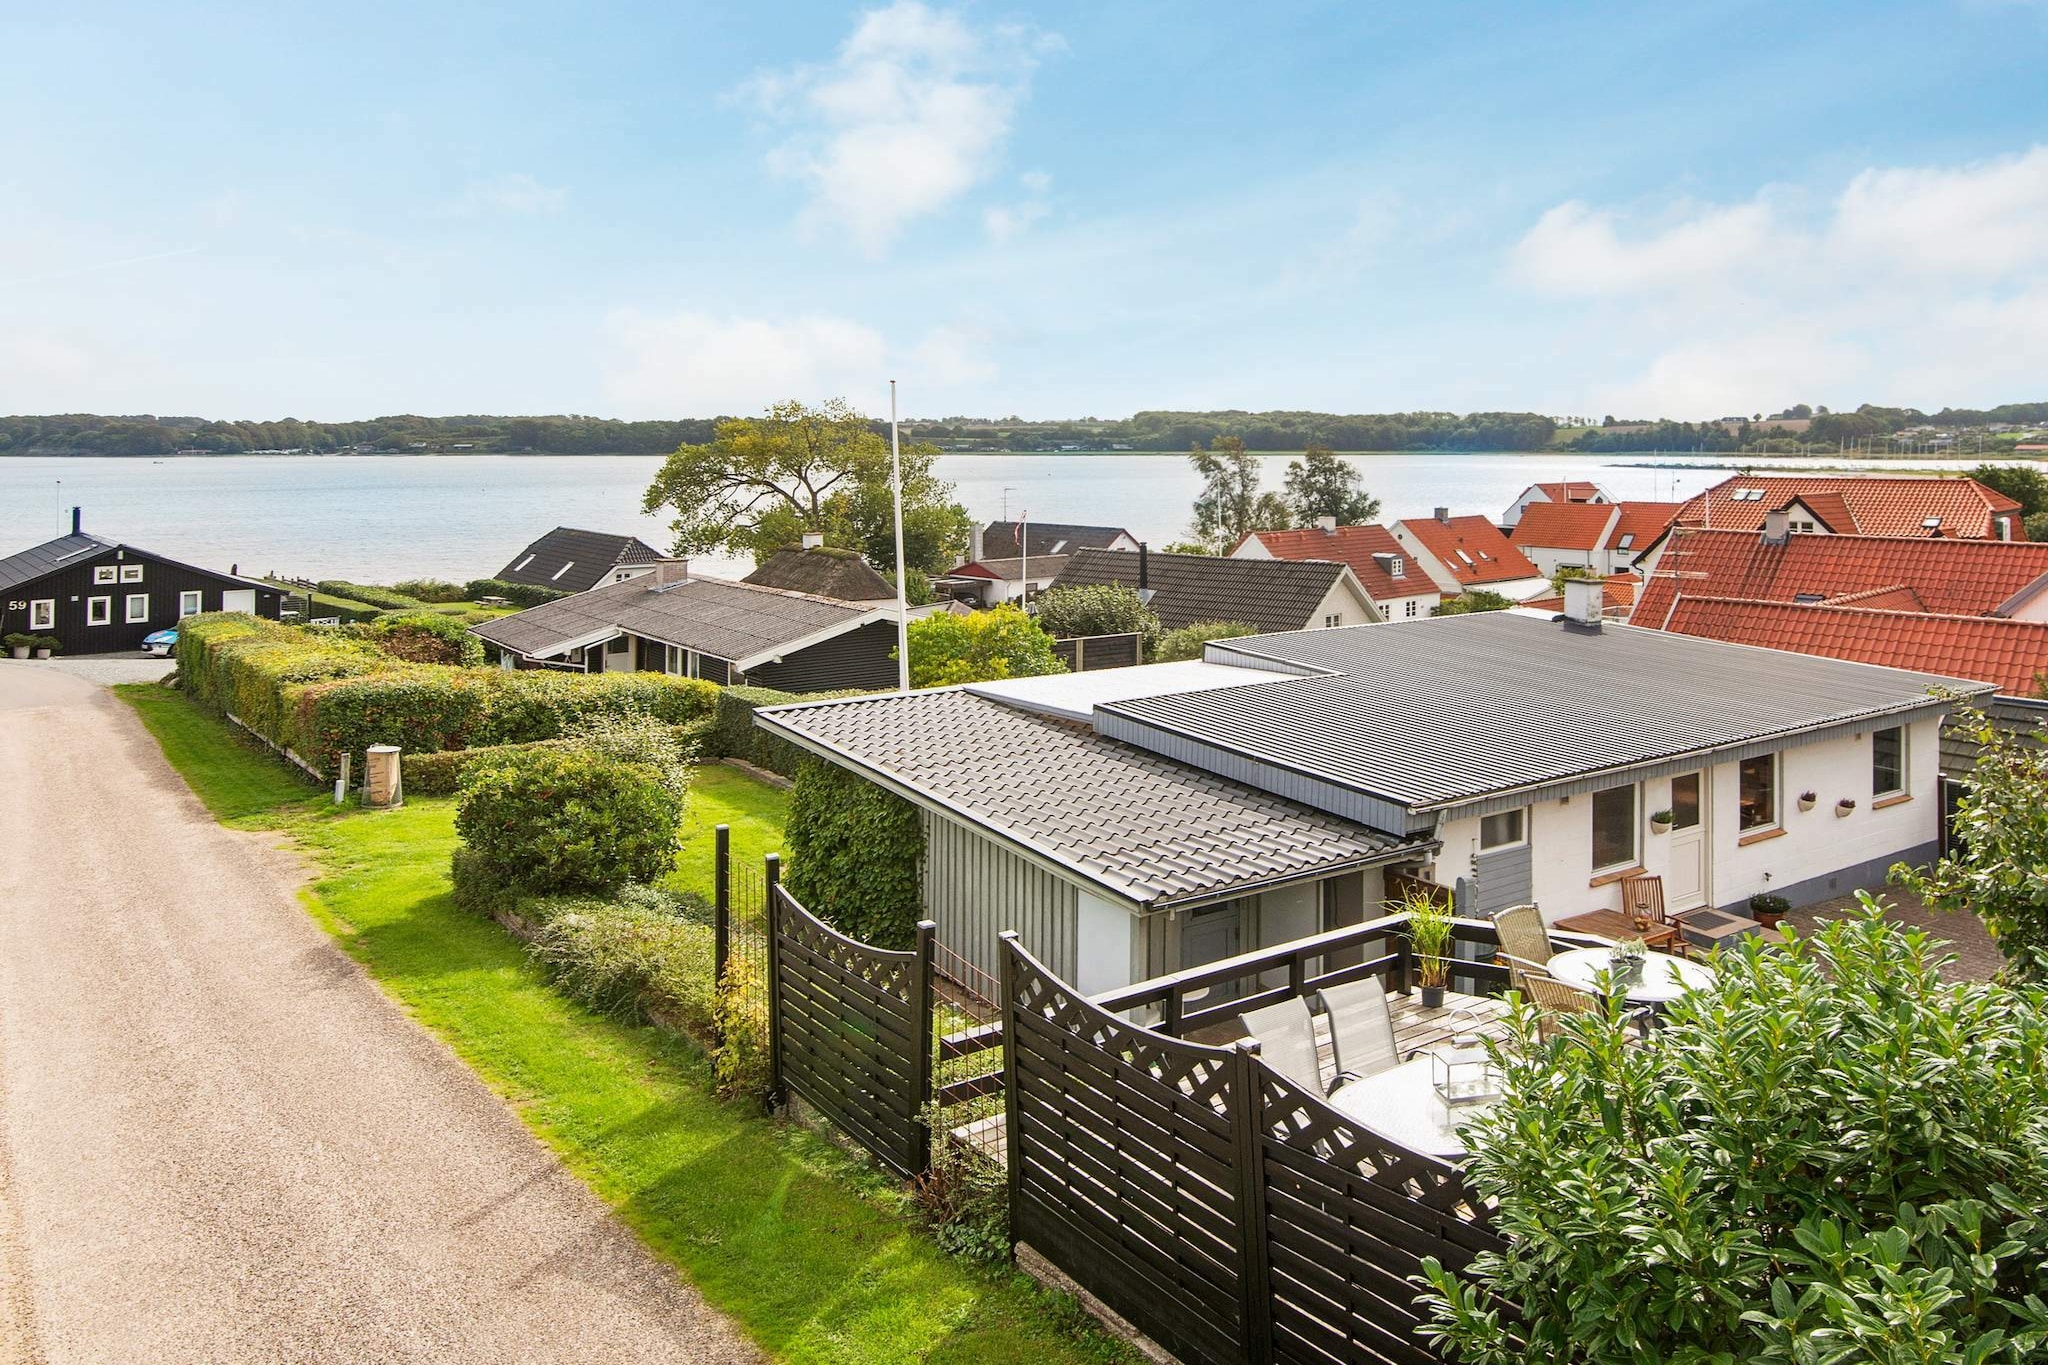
(974, 544)
(1144, 573)
(1584, 600)
(668, 571)
(1777, 527)
(74, 521)
(1327, 525)
(814, 540)
(1443, 514)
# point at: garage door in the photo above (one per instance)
(239, 599)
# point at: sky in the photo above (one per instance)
(1049, 210)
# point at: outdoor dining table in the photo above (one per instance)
(1664, 977)
(1401, 1104)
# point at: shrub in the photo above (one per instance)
(476, 889)
(425, 637)
(740, 1020)
(430, 590)
(963, 1199)
(1187, 642)
(856, 852)
(1000, 643)
(1096, 609)
(568, 820)
(440, 774)
(1830, 1155)
(1470, 601)
(518, 594)
(367, 593)
(733, 733)
(633, 961)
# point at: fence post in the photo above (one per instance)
(721, 901)
(921, 1061)
(1254, 1276)
(1012, 1136)
(773, 877)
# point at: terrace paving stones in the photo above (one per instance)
(219, 1141)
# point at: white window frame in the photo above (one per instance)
(42, 613)
(1521, 828)
(99, 611)
(1905, 770)
(128, 609)
(105, 573)
(131, 573)
(1777, 819)
(1635, 822)
(1333, 620)
(1412, 606)
(191, 602)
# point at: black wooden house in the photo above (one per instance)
(95, 596)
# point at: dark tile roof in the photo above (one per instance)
(1012, 570)
(41, 559)
(1266, 594)
(1153, 830)
(1454, 708)
(999, 538)
(733, 621)
(822, 572)
(575, 561)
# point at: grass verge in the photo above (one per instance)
(803, 1247)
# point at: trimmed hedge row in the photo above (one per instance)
(733, 733)
(518, 594)
(440, 774)
(368, 593)
(320, 693)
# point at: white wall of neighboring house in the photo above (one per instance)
(1409, 608)
(1347, 602)
(1108, 951)
(1513, 516)
(1811, 848)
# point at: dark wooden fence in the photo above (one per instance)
(1088, 653)
(850, 1030)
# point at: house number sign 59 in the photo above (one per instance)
(17, 606)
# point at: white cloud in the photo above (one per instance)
(1574, 249)
(1986, 219)
(912, 114)
(516, 192)
(950, 356)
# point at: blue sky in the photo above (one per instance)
(1044, 209)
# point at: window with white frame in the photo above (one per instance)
(190, 604)
(131, 573)
(1756, 793)
(42, 614)
(138, 607)
(1504, 829)
(1333, 619)
(99, 611)
(1614, 828)
(106, 573)
(1411, 606)
(1888, 761)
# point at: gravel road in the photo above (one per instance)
(220, 1142)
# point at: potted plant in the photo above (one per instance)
(19, 645)
(1769, 909)
(45, 644)
(1660, 822)
(1807, 800)
(1843, 808)
(1625, 961)
(1429, 938)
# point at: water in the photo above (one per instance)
(385, 518)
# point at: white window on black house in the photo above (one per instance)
(1503, 829)
(1614, 828)
(131, 573)
(189, 604)
(1756, 793)
(42, 614)
(106, 573)
(138, 608)
(1888, 762)
(99, 611)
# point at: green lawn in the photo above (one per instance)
(726, 796)
(803, 1247)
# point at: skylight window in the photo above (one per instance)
(1467, 558)
(564, 569)
(1931, 523)
(520, 567)
(1628, 540)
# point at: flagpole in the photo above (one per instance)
(902, 580)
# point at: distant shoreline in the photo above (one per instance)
(1644, 459)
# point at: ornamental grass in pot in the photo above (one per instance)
(1429, 938)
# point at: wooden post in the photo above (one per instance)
(721, 901)
(1013, 1135)
(921, 1059)
(1255, 1277)
(341, 778)
(773, 870)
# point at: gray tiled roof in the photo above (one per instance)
(1454, 708)
(574, 560)
(1266, 594)
(1152, 830)
(999, 538)
(38, 560)
(733, 621)
(822, 572)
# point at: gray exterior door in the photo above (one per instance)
(1210, 935)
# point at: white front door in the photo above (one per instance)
(239, 599)
(1685, 880)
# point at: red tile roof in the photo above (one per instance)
(1571, 490)
(1356, 546)
(1876, 505)
(1488, 558)
(1641, 523)
(1617, 593)
(1960, 577)
(1585, 525)
(2009, 654)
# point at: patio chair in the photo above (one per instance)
(1644, 896)
(1361, 1028)
(1520, 969)
(1555, 999)
(1287, 1041)
(1522, 935)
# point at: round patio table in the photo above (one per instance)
(1401, 1104)
(1664, 978)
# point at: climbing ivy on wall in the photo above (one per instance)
(855, 854)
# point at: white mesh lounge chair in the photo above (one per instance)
(1361, 1029)
(1287, 1041)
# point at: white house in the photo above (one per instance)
(1142, 820)
(1603, 537)
(1469, 554)
(1400, 589)
(1565, 491)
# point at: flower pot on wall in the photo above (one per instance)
(1844, 808)
(1807, 801)
(1660, 827)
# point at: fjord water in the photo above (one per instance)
(384, 518)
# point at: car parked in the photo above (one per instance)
(161, 644)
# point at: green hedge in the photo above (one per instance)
(518, 594)
(568, 820)
(440, 774)
(733, 733)
(367, 593)
(320, 693)
(855, 854)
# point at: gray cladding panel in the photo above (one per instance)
(974, 889)
(1502, 878)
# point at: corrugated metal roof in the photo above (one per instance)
(1151, 830)
(733, 621)
(1455, 708)
(38, 560)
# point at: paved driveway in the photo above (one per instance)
(220, 1142)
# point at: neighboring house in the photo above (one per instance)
(998, 539)
(991, 582)
(822, 571)
(99, 596)
(1142, 820)
(1461, 554)
(1569, 491)
(669, 621)
(1265, 594)
(1604, 537)
(1398, 587)
(1858, 505)
(1618, 597)
(569, 560)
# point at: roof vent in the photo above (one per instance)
(1443, 514)
(814, 540)
(1584, 601)
(1327, 525)
(670, 571)
(1777, 527)
(74, 521)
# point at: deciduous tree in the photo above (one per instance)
(980, 647)
(1322, 484)
(1230, 504)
